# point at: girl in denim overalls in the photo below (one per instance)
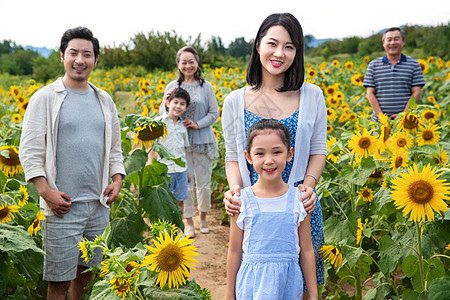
(272, 229)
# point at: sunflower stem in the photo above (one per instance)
(420, 257)
(335, 201)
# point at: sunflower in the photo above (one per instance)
(107, 266)
(335, 63)
(133, 266)
(428, 135)
(363, 144)
(345, 116)
(430, 115)
(121, 284)
(333, 101)
(311, 72)
(332, 156)
(331, 115)
(144, 110)
(447, 247)
(357, 79)
(423, 65)
(409, 122)
(359, 231)
(23, 107)
(23, 195)
(160, 88)
(366, 59)
(349, 65)
(172, 258)
(329, 129)
(162, 81)
(10, 165)
(443, 158)
(399, 159)
(36, 225)
(6, 212)
(400, 140)
(330, 90)
(366, 194)
(16, 118)
(219, 96)
(332, 254)
(86, 249)
(385, 130)
(420, 193)
(145, 135)
(431, 98)
(376, 177)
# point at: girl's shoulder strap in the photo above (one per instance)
(252, 200)
(291, 198)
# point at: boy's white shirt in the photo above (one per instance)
(176, 141)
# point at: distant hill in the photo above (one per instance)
(45, 52)
(312, 42)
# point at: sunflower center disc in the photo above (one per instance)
(411, 122)
(427, 135)
(429, 115)
(4, 212)
(169, 258)
(364, 142)
(398, 162)
(421, 192)
(401, 142)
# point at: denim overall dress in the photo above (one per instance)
(270, 269)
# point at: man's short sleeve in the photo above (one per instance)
(418, 79)
(368, 77)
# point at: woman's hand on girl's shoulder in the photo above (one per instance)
(232, 205)
(309, 204)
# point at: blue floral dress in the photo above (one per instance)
(316, 219)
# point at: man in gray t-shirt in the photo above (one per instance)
(70, 149)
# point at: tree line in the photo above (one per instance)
(146, 52)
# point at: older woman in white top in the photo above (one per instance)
(202, 112)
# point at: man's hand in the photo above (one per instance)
(57, 201)
(112, 190)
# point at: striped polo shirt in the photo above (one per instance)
(393, 83)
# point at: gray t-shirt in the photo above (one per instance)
(80, 146)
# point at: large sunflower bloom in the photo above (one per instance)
(428, 135)
(10, 165)
(420, 193)
(145, 135)
(121, 284)
(410, 122)
(363, 144)
(36, 225)
(332, 254)
(172, 259)
(6, 212)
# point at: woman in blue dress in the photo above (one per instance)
(276, 89)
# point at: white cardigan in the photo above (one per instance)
(311, 136)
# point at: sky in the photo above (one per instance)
(41, 23)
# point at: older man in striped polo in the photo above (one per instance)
(392, 80)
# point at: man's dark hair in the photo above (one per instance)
(295, 75)
(180, 93)
(79, 33)
(394, 29)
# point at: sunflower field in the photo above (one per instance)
(385, 192)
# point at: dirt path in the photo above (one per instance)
(212, 249)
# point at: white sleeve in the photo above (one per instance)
(228, 128)
(243, 210)
(299, 210)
